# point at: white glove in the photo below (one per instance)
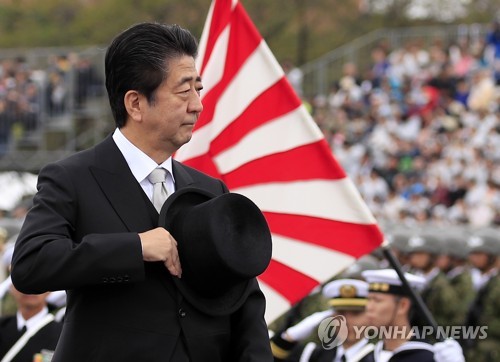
(57, 298)
(305, 327)
(448, 351)
(5, 286)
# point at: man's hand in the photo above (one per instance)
(306, 326)
(159, 245)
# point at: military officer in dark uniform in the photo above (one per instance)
(31, 331)
(347, 298)
(389, 308)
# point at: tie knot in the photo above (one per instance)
(158, 175)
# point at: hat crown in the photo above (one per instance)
(223, 242)
(475, 241)
(425, 242)
(484, 242)
(348, 294)
(220, 242)
(390, 277)
(416, 241)
(343, 287)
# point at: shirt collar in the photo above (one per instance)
(429, 277)
(355, 348)
(21, 322)
(139, 163)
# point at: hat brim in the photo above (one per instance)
(348, 303)
(232, 298)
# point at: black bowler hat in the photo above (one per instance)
(223, 242)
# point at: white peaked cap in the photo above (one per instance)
(388, 281)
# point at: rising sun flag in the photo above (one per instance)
(255, 134)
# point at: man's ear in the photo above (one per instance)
(404, 305)
(132, 102)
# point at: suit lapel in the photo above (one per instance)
(117, 182)
(181, 176)
(121, 188)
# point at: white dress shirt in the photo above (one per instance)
(350, 352)
(33, 321)
(141, 164)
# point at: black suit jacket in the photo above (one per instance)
(82, 236)
(45, 338)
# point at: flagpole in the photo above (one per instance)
(414, 296)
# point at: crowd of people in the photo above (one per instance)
(30, 95)
(419, 131)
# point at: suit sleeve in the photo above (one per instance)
(250, 338)
(46, 256)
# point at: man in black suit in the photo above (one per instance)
(94, 231)
(31, 331)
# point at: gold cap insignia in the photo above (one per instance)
(348, 291)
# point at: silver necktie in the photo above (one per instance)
(157, 177)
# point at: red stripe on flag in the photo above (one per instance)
(217, 24)
(288, 282)
(307, 162)
(348, 238)
(243, 37)
(274, 102)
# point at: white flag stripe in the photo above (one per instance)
(328, 199)
(202, 44)
(253, 78)
(200, 140)
(315, 261)
(297, 131)
(276, 304)
(214, 69)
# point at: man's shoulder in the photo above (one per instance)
(413, 356)
(441, 279)
(493, 285)
(84, 157)
(194, 173)
(7, 320)
(189, 169)
(51, 328)
(414, 350)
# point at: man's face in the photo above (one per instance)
(28, 301)
(444, 262)
(381, 309)
(169, 119)
(419, 260)
(354, 318)
(479, 260)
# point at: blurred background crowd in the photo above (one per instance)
(30, 94)
(418, 131)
